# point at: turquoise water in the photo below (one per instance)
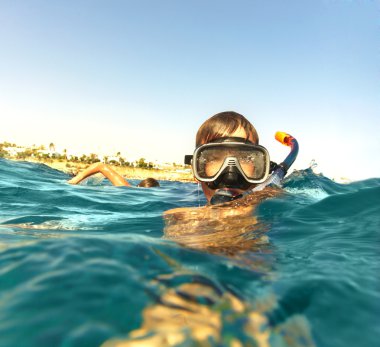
(78, 264)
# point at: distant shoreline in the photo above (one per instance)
(73, 164)
(72, 168)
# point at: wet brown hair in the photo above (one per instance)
(222, 124)
(148, 183)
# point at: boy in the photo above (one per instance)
(227, 160)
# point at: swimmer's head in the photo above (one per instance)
(226, 125)
(149, 183)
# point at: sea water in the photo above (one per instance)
(78, 263)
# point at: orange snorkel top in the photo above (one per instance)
(284, 138)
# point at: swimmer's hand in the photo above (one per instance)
(72, 181)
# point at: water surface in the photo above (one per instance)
(82, 265)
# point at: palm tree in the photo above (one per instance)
(141, 163)
(93, 158)
(83, 158)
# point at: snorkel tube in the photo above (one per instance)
(281, 169)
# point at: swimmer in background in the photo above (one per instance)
(115, 178)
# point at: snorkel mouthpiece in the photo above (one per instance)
(225, 195)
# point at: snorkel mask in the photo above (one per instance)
(230, 163)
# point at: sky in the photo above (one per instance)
(141, 76)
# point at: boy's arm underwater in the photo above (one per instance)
(112, 175)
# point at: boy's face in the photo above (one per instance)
(240, 132)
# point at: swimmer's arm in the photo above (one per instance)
(112, 175)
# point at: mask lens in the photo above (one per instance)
(253, 163)
(209, 162)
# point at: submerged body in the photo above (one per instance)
(224, 228)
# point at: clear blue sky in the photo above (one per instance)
(141, 76)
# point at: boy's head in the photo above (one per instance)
(229, 134)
